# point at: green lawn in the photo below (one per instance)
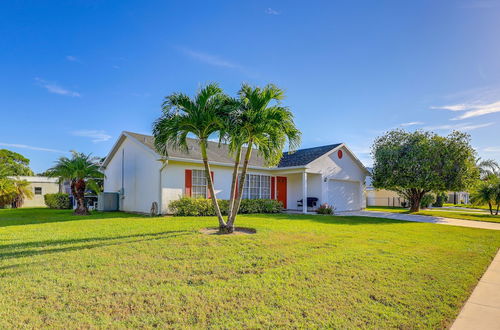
(469, 206)
(118, 270)
(458, 214)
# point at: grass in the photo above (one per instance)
(117, 270)
(463, 214)
(469, 206)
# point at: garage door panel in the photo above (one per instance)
(344, 195)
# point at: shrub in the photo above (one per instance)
(325, 209)
(57, 201)
(187, 206)
(441, 198)
(427, 200)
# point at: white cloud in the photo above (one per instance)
(271, 11)
(472, 110)
(492, 149)
(95, 135)
(72, 58)
(210, 59)
(24, 146)
(56, 89)
(459, 127)
(411, 123)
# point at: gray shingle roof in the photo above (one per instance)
(303, 157)
(221, 154)
(215, 153)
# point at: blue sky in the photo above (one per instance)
(74, 74)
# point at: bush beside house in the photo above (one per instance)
(187, 206)
(57, 201)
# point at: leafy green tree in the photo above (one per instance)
(14, 164)
(201, 116)
(415, 163)
(82, 171)
(257, 121)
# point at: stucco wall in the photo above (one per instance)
(173, 177)
(346, 168)
(140, 177)
(38, 200)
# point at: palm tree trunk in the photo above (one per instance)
(498, 208)
(233, 183)
(491, 208)
(222, 224)
(81, 208)
(236, 207)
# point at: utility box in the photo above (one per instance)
(108, 201)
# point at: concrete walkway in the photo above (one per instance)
(424, 218)
(482, 309)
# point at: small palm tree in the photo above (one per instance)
(259, 122)
(489, 193)
(81, 170)
(22, 191)
(13, 192)
(201, 117)
(488, 169)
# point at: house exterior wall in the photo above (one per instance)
(48, 185)
(140, 170)
(173, 180)
(134, 170)
(331, 167)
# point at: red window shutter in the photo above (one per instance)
(236, 188)
(213, 183)
(188, 182)
(273, 188)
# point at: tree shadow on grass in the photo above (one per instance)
(31, 216)
(21, 250)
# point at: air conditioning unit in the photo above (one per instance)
(108, 201)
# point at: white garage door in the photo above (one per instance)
(344, 195)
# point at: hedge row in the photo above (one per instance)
(57, 201)
(187, 206)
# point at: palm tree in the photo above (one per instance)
(22, 191)
(13, 192)
(81, 170)
(488, 169)
(259, 122)
(489, 193)
(201, 116)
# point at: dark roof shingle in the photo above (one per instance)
(303, 157)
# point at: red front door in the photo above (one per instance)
(281, 188)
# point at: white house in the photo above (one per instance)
(133, 168)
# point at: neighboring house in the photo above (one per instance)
(458, 197)
(40, 186)
(381, 197)
(133, 168)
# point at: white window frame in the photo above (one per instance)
(257, 186)
(199, 183)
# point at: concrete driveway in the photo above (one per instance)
(424, 218)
